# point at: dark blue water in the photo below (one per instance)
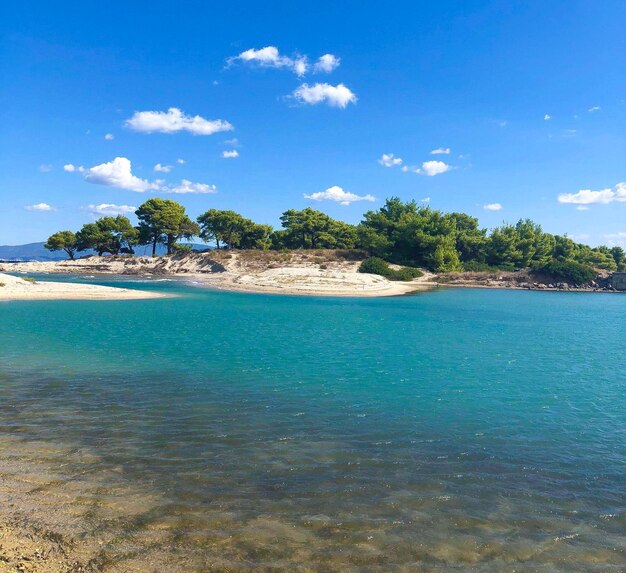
(470, 430)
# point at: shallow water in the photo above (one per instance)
(469, 430)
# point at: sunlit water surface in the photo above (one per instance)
(469, 430)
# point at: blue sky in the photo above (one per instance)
(528, 97)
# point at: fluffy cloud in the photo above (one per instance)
(118, 173)
(388, 160)
(425, 200)
(109, 209)
(432, 168)
(162, 168)
(441, 151)
(39, 207)
(336, 193)
(71, 168)
(547, 117)
(594, 108)
(174, 120)
(335, 96)
(180, 161)
(493, 207)
(589, 197)
(230, 154)
(270, 57)
(326, 63)
(187, 186)
(109, 137)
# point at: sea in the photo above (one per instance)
(452, 430)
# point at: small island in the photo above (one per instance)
(400, 248)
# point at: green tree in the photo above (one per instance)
(164, 221)
(108, 235)
(312, 229)
(62, 241)
(619, 256)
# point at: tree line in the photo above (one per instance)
(399, 232)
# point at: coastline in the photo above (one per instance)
(15, 288)
(317, 273)
(303, 273)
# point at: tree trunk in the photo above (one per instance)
(154, 244)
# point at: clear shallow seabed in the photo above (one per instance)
(469, 430)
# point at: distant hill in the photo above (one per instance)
(37, 252)
(29, 252)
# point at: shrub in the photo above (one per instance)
(374, 266)
(377, 266)
(29, 280)
(568, 271)
(3, 284)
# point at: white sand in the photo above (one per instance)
(297, 272)
(15, 288)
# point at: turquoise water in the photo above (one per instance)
(469, 430)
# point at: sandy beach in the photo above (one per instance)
(16, 288)
(314, 273)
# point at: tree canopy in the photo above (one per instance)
(164, 221)
(62, 241)
(398, 232)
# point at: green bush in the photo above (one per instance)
(405, 274)
(568, 271)
(377, 266)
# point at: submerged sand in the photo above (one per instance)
(16, 288)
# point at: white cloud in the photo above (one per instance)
(388, 160)
(45, 168)
(432, 168)
(594, 108)
(174, 120)
(187, 186)
(441, 151)
(162, 168)
(71, 168)
(589, 197)
(109, 137)
(582, 208)
(270, 57)
(111, 210)
(547, 117)
(327, 63)
(118, 173)
(180, 161)
(39, 207)
(230, 154)
(335, 96)
(493, 207)
(233, 142)
(425, 200)
(336, 193)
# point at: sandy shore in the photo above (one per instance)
(16, 288)
(315, 273)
